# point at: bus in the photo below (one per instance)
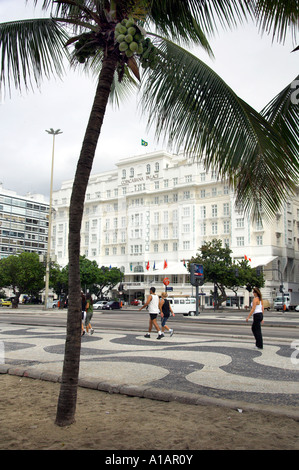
(184, 305)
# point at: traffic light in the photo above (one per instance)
(196, 274)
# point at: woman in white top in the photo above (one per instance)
(257, 311)
(153, 309)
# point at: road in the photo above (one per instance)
(229, 323)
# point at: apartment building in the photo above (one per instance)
(23, 223)
(154, 211)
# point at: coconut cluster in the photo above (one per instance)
(148, 57)
(85, 47)
(129, 37)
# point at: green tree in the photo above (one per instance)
(223, 272)
(183, 97)
(58, 279)
(218, 266)
(243, 275)
(107, 279)
(23, 273)
(90, 277)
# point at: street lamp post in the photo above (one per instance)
(53, 133)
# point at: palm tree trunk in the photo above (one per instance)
(68, 391)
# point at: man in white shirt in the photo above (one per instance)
(153, 309)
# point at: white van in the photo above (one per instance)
(184, 305)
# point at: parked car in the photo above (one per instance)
(55, 303)
(135, 302)
(5, 302)
(113, 305)
(100, 304)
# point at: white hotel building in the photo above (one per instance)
(156, 209)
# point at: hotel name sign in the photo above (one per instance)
(139, 179)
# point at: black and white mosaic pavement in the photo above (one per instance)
(218, 368)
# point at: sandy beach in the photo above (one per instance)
(116, 422)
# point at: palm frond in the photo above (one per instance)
(277, 16)
(189, 102)
(283, 114)
(29, 50)
(172, 16)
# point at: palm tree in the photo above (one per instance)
(184, 98)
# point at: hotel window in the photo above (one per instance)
(148, 168)
(240, 223)
(214, 210)
(123, 174)
(259, 224)
(226, 226)
(259, 240)
(186, 211)
(240, 241)
(156, 166)
(214, 228)
(131, 172)
(226, 209)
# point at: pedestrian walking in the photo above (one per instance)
(83, 309)
(257, 311)
(89, 314)
(165, 310)
(152, 303)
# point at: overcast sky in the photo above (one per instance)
(254, 67)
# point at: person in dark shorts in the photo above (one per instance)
(165, 310)
(152, 303)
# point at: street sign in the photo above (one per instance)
(196, 274)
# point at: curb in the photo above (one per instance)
(152, 393)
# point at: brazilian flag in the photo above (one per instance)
(145, 144)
